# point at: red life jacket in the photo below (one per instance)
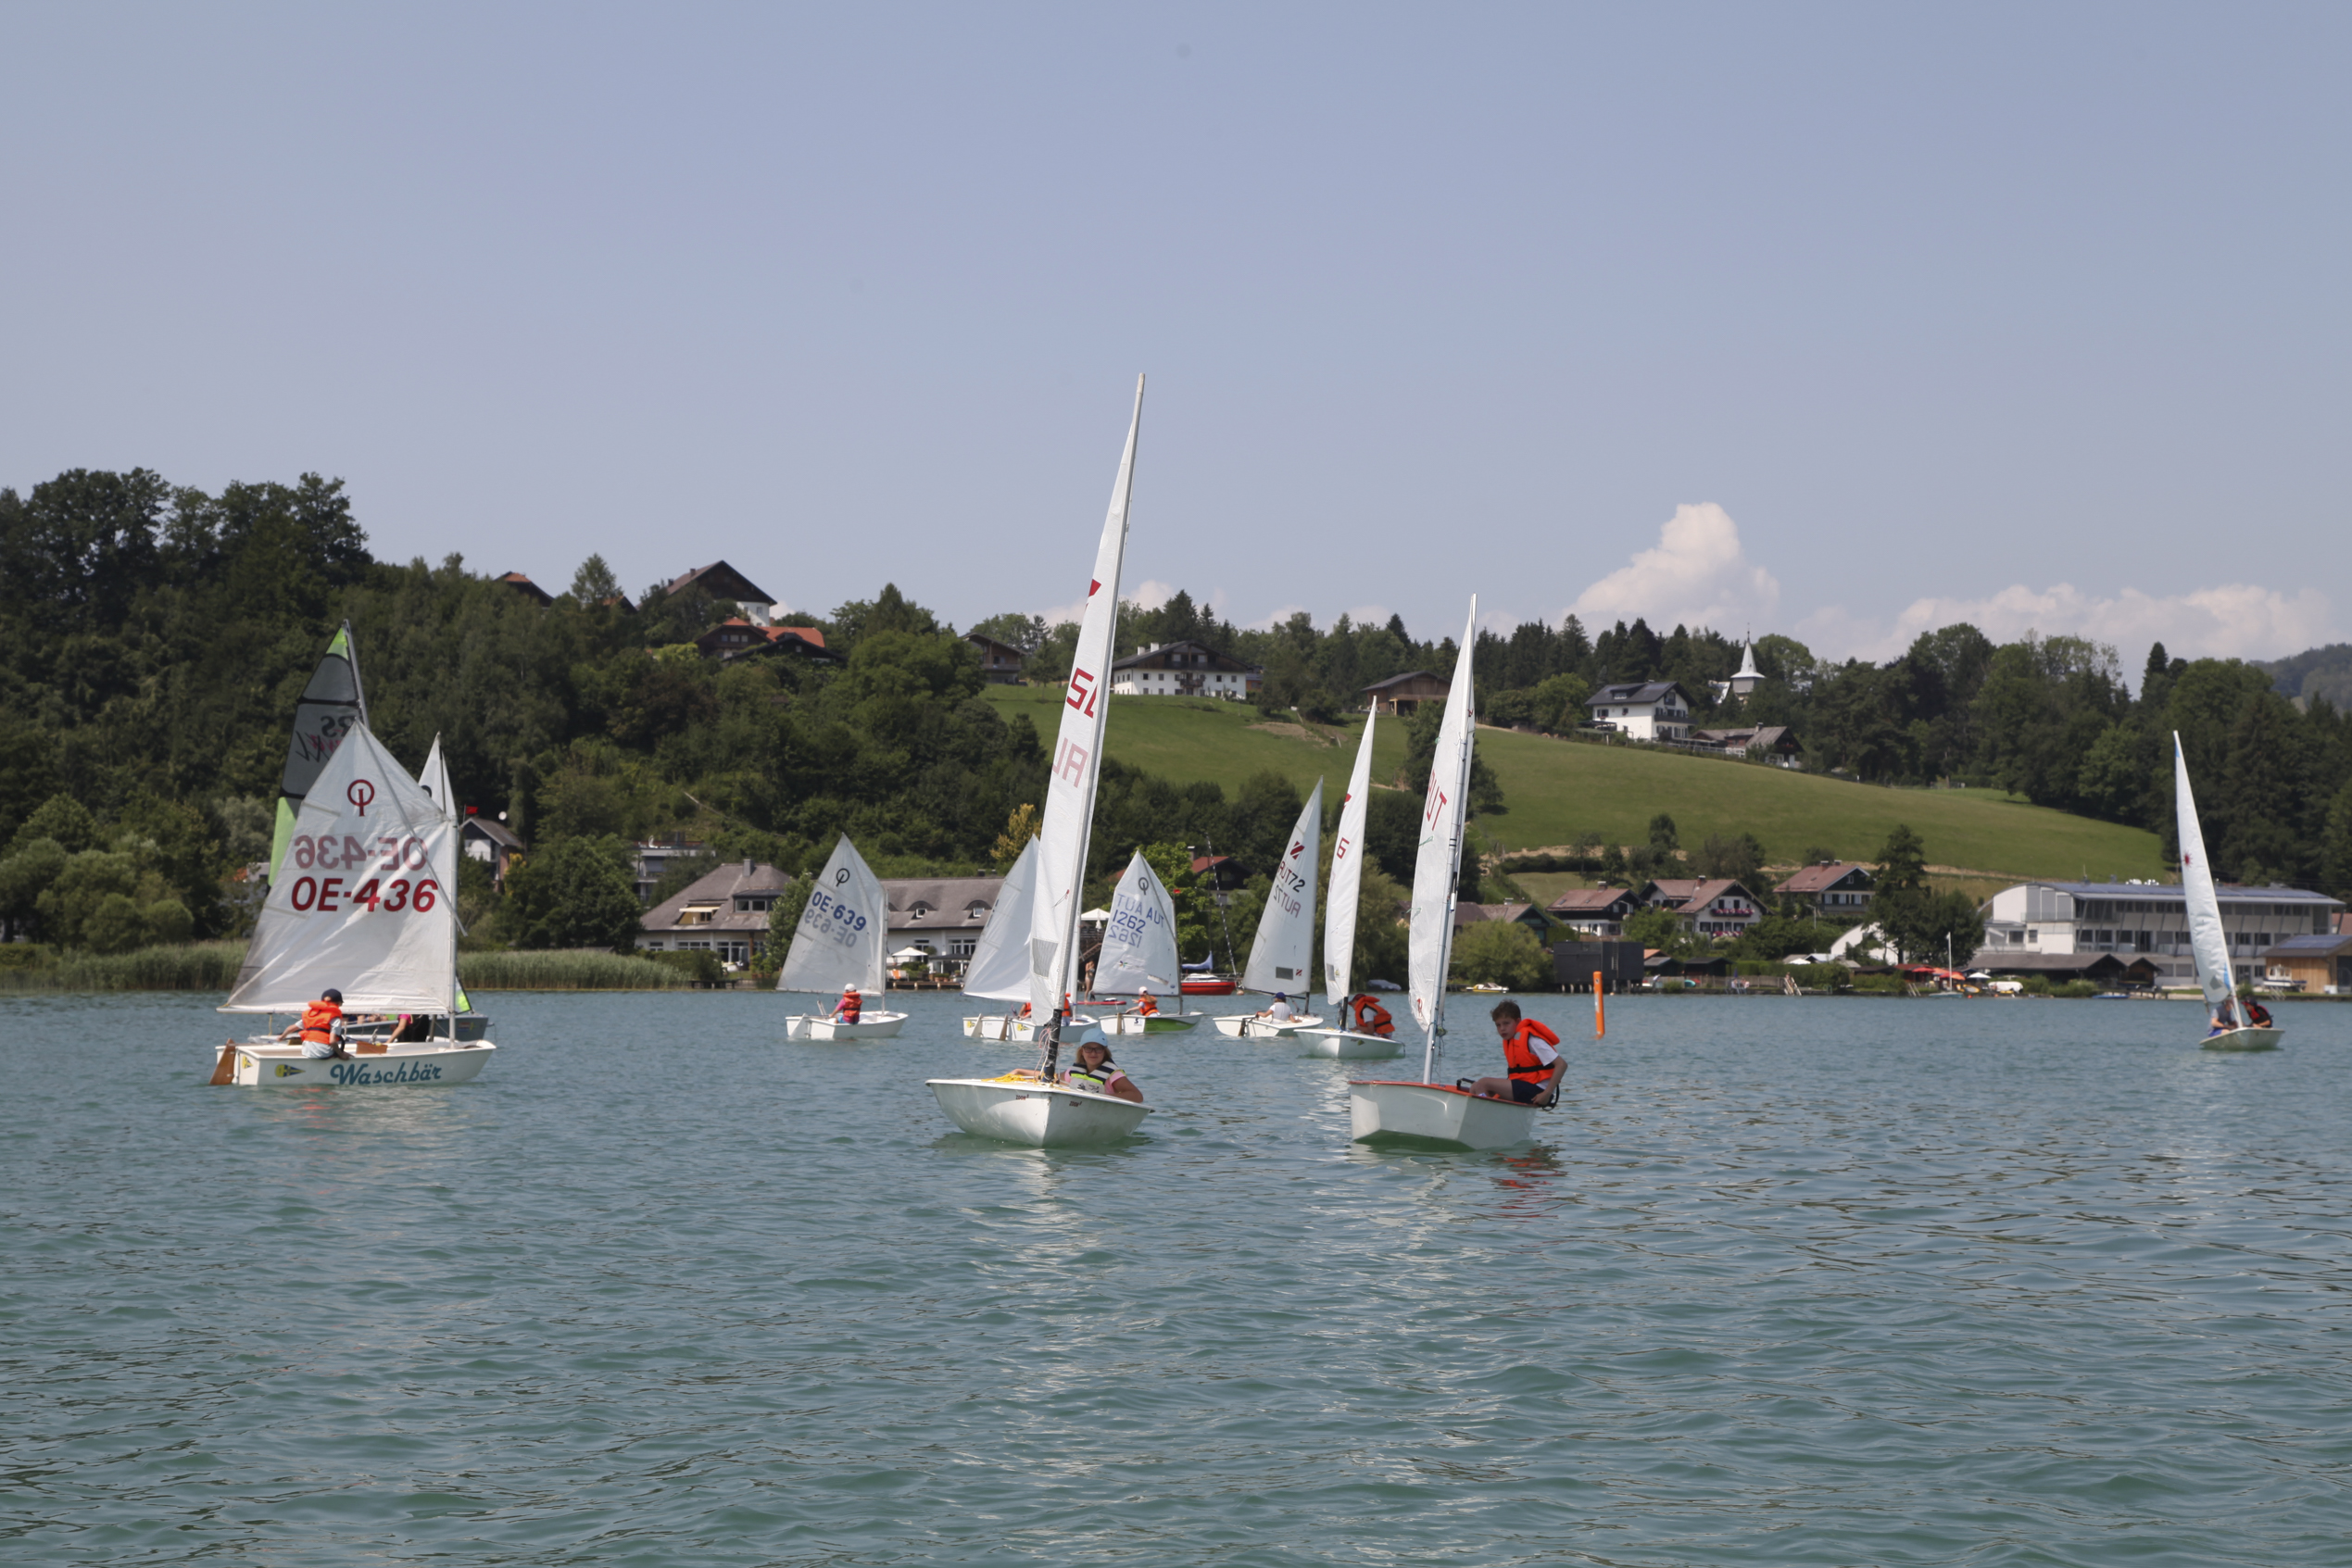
(850, 1003)
(1371, 1018)
(1524, 1065)
(318, 1019)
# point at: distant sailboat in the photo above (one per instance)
(1427, 1111)
(1036, 1109)
(838, 946)
(1281, 958)
(365, 902)
(1139, 955)
(2208, 944)
(433, 779)
(1340, 917)
(998, 969)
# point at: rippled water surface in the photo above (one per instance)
(1788, 1281)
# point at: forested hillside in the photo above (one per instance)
(158, 637)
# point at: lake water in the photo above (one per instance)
(1786, 1282)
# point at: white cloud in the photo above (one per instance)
(2233, 620)
(1698, 575)
(1150, 594)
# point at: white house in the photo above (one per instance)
(944, 916)
(1643, 709)
(1713, 907)
(1184, 670)
(2151, 918)
(726, 912)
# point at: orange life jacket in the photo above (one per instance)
(1148, 1007)
(1524, 1065)
(318, 1023)
(1371, 1018)
(850, 1004)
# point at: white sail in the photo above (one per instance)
(1000, 968)
(1076, 765)
(843, 929)
(2207, 941)
(1282, 958)
(365, 900)
(331, 703)
(1347, 876)
(1439, 859)
(433, 779)
(1139, 944)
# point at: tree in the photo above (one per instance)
(1501, 952)
(63, 820)
(25, 875)
(1903, 864)
(1919, 923)
(1737, 856)
(1019, 828)
(1664, 839)
(1657, 927)
(575, 893)
(594, 583)
(2335, 846)
(1014, 630)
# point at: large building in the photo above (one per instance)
(1835, 889)
(2149, 920)
(1713, 907)
(1643, 709)
(1597, 911)
(725, 912)
(1184, 670)
(1400, 694)
(944, 916)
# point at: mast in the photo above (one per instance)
(1438, 865)
(1076, 769)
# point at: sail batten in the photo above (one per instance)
(1347, 876)
(1439, 861)
(1140, 944)
(843, 929)
(2208, 944)
(1074, 768)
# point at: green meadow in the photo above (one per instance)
(1556, 790)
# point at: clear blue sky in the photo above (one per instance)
(2037, 313)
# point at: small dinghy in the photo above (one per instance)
(1024, 1110)
(1382, 1110)
(837, 948)
(1279, 965)
(2208, 943)
(1138, 957)
(1034, 1108)
(1339, 925)
(363, 902)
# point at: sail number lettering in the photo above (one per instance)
(329, 895)
(341, 852)
(1084, 692)
(1071, 766)
(830, 918)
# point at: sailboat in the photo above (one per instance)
(365, 903)
(1339, 920)
(839, 944)
(998, 969)
(1425, 1110)
(1139, 955)
(1280, 958)
(2209, 944)
(1032, 1108)
(433, 779)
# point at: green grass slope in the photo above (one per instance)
(1556, 790)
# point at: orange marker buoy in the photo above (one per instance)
(1599, 1015)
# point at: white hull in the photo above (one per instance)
(871, 1027)
(1437, 1113)
(2249, 1039)
(432, 1063)
(1250, 1026)
(1129, 1023)
(1347, 1047)
(1018, 1030)
(1032, 1113)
